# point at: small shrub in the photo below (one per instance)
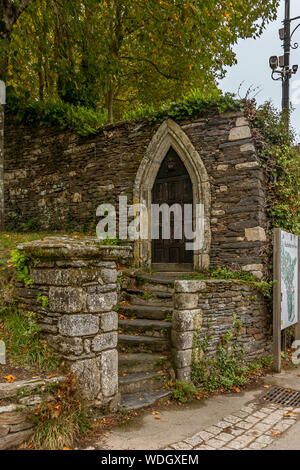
(182, 391)
(60, 418)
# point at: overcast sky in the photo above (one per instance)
(253, 65)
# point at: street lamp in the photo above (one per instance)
(280, 66)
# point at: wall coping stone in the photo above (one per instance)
(60, 248)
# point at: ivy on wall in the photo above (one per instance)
(281, 160)
(87, 121)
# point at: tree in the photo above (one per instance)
(121, 54)
(10, 11)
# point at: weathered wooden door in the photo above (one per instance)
(172, 186)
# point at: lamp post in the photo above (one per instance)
(2, 103)
(281, 65)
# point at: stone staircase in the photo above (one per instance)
(145, 314)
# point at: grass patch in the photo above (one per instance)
(182, 392)
(60, 418)
(23, 343)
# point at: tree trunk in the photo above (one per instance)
(110, 105)
(9, 14)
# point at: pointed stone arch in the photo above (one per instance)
(169, 135)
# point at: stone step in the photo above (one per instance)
(145, 311)
(142, 382)
(142, 343)
(136, 401)
(153, 328)
(155, 298)
(139, 362)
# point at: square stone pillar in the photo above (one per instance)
(186, 322)
(74, 295)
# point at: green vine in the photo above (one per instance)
(21, 263)
(43, 299)
(281, 160)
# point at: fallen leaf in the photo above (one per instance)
(52, 375)
(267, 386)
(66, 448)
(9, 379)
(236, 389)
(155, 412)
(275, 433)
(157, 417)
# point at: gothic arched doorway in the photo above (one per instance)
(173, 186)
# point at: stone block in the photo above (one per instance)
(239, 133)
(241, 121)
(109, 276)
(187, 320)
(109, 373)
(247, 165)
(65, 277)
(182, 359)
(182, 340)
(65, 345)
(15, 439)
(66, 299)
(109, 321)
(255, 234)
(191, 286)
(88, 374)
(105, 341)
(185, 301)
(184, 375)
(104, 302)
(78, 325)
(247, 148)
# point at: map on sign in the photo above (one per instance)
(289, 280)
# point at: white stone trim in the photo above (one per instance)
(169, 135)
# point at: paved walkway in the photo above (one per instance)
(232, 422)
(254, 427)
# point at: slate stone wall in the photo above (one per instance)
(79, 320)
(207, 309)
(55, 179)
(18, 401)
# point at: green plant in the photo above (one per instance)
(112, 242)
(21, 334)
(43, 299)
(193, 105)
(60, 417)
(227, 369)
(224, 273)
(21, 263)
(183, 392)
(169, 317)
(85, 121)
(281, 161)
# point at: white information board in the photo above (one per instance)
(289, 279)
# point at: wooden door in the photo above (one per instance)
(172, 186)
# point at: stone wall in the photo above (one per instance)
(78, 282)
(208, 308)
(18, 401)
(1, 166)
(55, 179)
